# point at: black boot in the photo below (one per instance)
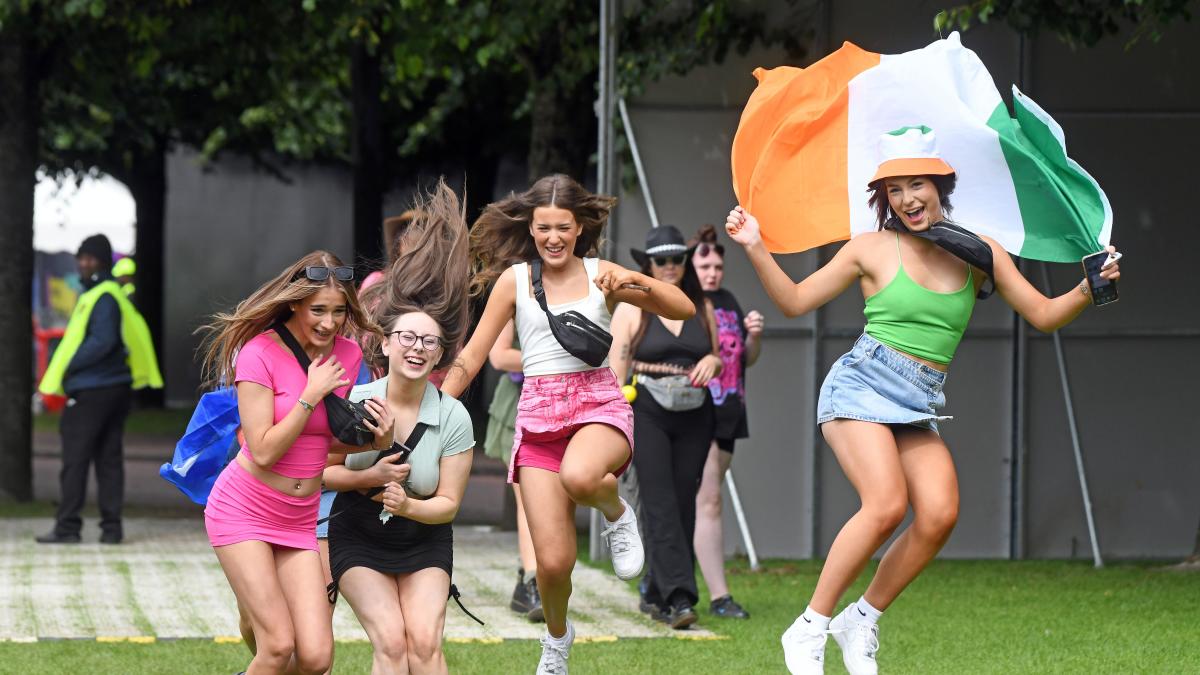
(520, 597)
(535, 601)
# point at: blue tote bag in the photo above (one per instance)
(206, 446)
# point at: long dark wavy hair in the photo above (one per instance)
(883, 210)
(229, 332)
(429, 273)
(500, 237)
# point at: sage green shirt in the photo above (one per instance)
(449, 432)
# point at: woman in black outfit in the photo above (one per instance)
(673, 425)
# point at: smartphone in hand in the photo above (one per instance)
(1104, 290)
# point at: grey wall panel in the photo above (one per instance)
(1152, 77)
(229, 231)
(1134, 401)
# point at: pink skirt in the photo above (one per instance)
(243, 508)
(553, 407)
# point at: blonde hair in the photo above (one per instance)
(229, 332)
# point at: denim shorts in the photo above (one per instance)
(327, 497)
(875, 383)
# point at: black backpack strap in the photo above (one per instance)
(539, 292)
(456, 595)
(290, 340)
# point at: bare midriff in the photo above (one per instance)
(295, 487)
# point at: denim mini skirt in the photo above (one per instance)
(875, 383)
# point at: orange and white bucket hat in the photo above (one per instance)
(910, 151)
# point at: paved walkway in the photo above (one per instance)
(164, 583)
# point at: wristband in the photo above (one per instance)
(306, 405)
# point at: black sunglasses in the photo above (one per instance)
(704, 249)
(663, 261)
(321, 273)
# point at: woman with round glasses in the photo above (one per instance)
(261, 515)
(390, 537)
(672, 433)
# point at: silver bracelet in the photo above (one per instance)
(306, 405)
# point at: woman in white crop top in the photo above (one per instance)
(574, 427)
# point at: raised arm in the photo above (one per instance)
(791, 298)
(499, 311)
(663, 299)
(503, 355)
(1043, 313)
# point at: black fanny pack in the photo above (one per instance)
(960, 242)
(346, 418)
(576, 333)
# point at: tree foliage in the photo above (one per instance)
(1076, 22)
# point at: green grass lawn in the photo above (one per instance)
(959, 617)
(142, 421)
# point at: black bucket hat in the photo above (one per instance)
(663, 240)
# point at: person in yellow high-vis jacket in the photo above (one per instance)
(105, 352)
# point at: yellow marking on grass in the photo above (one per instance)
(475, 641)
(228, 639)
(135, 639)
(597, 638)
(700, 636)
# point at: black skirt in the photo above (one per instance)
(358, 539)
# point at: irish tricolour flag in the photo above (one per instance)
(808, 144)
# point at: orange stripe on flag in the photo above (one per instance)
(789, 154)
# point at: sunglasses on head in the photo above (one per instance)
(704, 249)
(321, 273)
(663, 261)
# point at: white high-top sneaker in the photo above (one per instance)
(804, 648)
(555, 653)
(859, 641)
(625, 544)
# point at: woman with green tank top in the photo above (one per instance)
(878, 407)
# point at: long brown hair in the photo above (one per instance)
(429, 273)
(229, 332)
(500, 237)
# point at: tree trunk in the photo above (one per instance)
(147, 182)
(562, 130)
(370, 170)
(18, 163)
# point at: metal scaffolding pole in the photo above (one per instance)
(606, 182)
(1075, 444)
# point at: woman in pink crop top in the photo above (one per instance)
(262, 512)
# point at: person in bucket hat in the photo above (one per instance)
(879, 405)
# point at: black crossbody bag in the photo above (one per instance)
(346, 418)
(576, 333)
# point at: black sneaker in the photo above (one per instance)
(520, 597)
(680, 616)
(726, 607)
(535, 601)
(56, 538)
(111, 537)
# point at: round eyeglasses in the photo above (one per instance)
(407, 338)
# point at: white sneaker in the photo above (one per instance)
(625, 544)
(859, 641)
(555, 653)
(804, 648)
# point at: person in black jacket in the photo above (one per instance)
(98, 382)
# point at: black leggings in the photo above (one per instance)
(671, 448)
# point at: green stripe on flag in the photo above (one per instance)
(1063, 210)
